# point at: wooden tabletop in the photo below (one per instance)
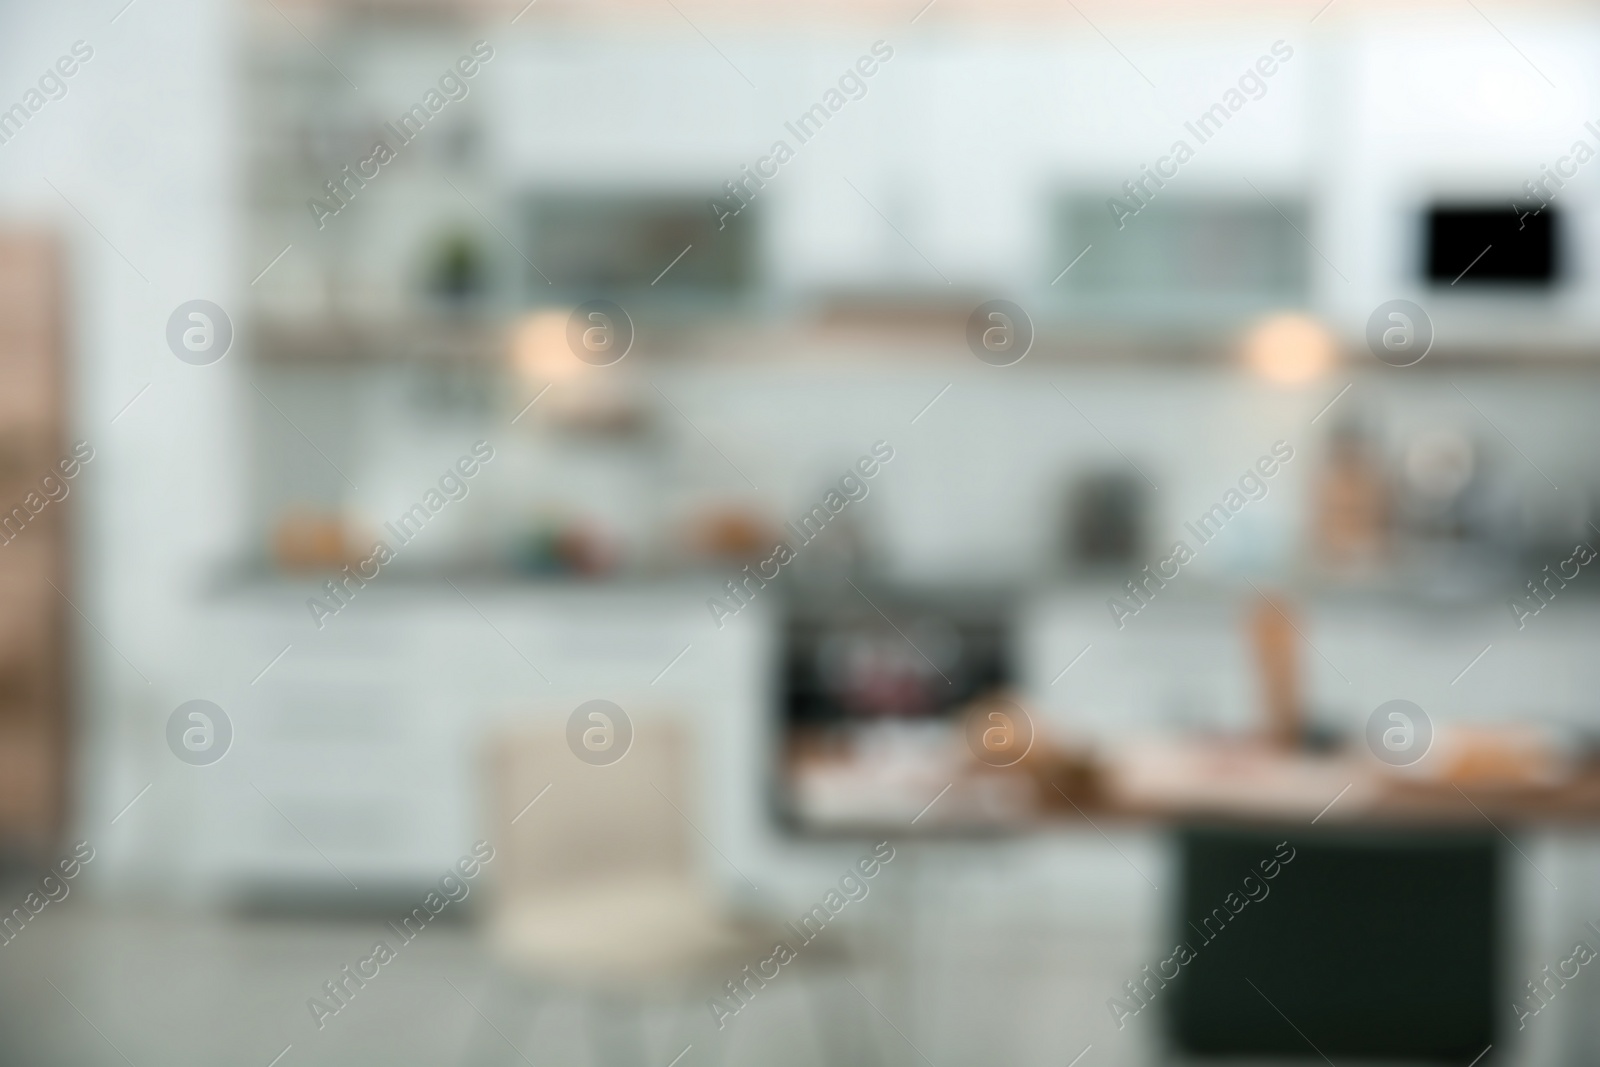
(1180, 781)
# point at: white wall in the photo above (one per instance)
(142, 147)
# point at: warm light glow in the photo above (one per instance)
(1289, 349)
(539, 349)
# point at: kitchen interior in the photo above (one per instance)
(979, 667)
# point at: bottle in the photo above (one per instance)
(1351, 502)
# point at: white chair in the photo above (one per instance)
(595, 891)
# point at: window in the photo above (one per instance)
(1185, 256)
(593, 244)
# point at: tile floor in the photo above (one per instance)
(82, 986)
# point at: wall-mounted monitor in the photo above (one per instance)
(1482, 245)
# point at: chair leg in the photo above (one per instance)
(484, 1043)
(617, 1031)
(529, 999)
(681, 1035)
(840, 1043)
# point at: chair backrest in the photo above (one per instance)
(624, 820)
